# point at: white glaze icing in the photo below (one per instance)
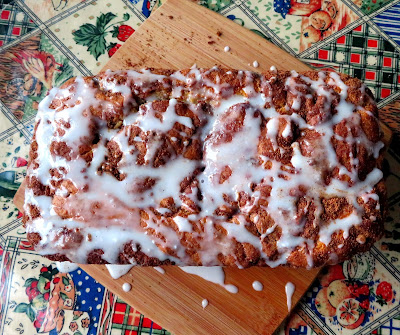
(183, 224)
(289, 290)
(126, 287)
(257, 286)
(120, 223)
(204, 303)
(159, 269)
(66, 266)
(214, 274)
(117, 271)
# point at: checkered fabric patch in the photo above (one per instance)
(13, 22)
(309, 298)
(128, 321)
(392, 327)
(364, 54)
(389, 22)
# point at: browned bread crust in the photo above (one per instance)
(303, 105)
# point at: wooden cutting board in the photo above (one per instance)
(177, 35)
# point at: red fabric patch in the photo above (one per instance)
(120, 307)
(130, 332)
(341, 40)
(146, 322)
(323, 54)
(16, 31)
(387, 62)
(134, 319)
(359, 28)
(370, 75)
(372, 43)
(5, 14)
(118, 318)
(156, 326)
(355, 58)
(385, 92)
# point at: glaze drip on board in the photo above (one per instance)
(126, 287)
(65, 267)
(213, 274)
(159, 269)
(197, 159)
(257, 286)
(289, 290)
(117, 271)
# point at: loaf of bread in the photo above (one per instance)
(206, 167)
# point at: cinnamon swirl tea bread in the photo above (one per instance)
(206, 167)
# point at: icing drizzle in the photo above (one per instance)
(186, 170)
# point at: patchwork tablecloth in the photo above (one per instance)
(45, 42)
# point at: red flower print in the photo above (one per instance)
(39, 318)
(85, 322)
(359, 290)
(365, 304)
(73, 326)
(56, 280)
(113, 49)
(105, 24)
(21, 162)
(46, 296)
(124, 31)
(44, 269)
(68, 302)
(384, 293)
(37, 324)
(364, 290)
(32, 292)
(40, 315)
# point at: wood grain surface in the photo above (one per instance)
(178, 35)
